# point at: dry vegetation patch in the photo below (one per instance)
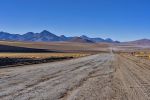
(15, 59)
(41, 55)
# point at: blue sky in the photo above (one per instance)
(118, 19)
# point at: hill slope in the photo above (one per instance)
(58, 46)
(140, 42)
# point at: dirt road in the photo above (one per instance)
(96, 77)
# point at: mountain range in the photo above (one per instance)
(46, 36)
(143, 42)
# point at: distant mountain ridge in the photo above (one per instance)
(80, 40)
(46, 36)
(140, 42)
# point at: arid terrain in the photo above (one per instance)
(105, 76)
(74, 49)
(14, 53)
(56, 46)
(102, 72)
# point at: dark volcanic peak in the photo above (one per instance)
(28, 36)
(80, 40)
(1, 32)
(63, 36)
(108, 40)
(8, 36)
(45, 32)
(84, 37)
(93, 39)
(117, 42)
(29, 33)
(44, 36)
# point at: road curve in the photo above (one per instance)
(98, 77)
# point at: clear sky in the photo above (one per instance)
(118, 19)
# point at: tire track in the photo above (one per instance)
(136, 83)
(105, 76)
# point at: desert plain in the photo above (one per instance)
(100, 72)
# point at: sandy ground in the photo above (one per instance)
(97, 77)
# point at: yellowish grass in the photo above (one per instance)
(41, 55)
(140, 54)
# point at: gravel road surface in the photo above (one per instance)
(104, 76)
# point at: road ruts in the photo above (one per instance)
(49, 81)
(104, 76)
(136, 77)
(103, 84)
